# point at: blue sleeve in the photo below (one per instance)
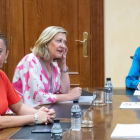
(132, 78)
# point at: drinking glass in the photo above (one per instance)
(87, 118)
(99, 98)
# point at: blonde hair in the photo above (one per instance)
(40, 48)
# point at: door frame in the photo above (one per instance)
(97, 43)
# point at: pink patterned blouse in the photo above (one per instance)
(33, 83)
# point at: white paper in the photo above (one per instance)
(137, 92)
(82, 99)
(126, 131)
(130, 105)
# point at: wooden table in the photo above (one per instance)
(105, 120)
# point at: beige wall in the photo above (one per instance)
(122, 37)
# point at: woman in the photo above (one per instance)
(40, 80)
(10, 98)
(132, 80)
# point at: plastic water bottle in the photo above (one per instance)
(108, 91)
(75, 116)
(56, 131)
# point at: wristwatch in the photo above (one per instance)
(64, 71)
(36, 119)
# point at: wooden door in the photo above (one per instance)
(31, 17)
(74, 16)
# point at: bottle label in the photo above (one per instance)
(56, 136)
(108, 90)
(76, 114)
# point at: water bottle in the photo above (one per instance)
(75, 116)
(108, 91)
(56, 131)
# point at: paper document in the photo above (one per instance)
(82, 99)
(126, 131)
(130, 105)
(137, 92)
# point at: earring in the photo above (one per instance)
(5, 61)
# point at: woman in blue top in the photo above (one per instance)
(132, 80)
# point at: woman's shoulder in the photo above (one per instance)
(137, 50)
(137, 54)
(29, 57)
(3, 75)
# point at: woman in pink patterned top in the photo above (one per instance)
(38, 78)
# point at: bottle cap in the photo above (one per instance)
(108, 79)
(56, 120)
(75, 101)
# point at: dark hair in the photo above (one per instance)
(4, 39)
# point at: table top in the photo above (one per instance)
(105, 118)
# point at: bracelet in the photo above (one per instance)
(36, 119)
(64, 71)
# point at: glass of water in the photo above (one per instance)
(87, 118)
(99, 97)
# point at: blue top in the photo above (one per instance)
(132, 78)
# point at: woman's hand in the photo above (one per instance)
(138, 86)
(75, 93)
(51, 113)
(43, 108)
(46, 115)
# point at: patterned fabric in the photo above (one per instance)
(32, 82)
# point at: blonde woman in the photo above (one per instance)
(10, 98)
(38, 78)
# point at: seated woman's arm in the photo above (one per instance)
(132, 80)
(75, 93)
(65, 81)
(26, 116)
(15, 121)
(22, 109)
